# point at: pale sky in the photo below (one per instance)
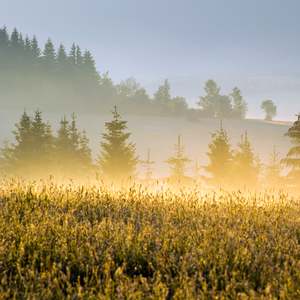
(154, 38)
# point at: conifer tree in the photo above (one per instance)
(147, 163)
(117, 159)
(272, 176)
(220, 157)
(89, 66)
(247, 166)
(85, 154)
(4, 49)
(293, 156)
(72, 56)
(31, 156)
(42, 145)
(196, 170)
(64, 153)
(62, 60)
(79, 57)
(178, 161)
(73, 156)
(48, 61)
(35, 51)
(16, 50)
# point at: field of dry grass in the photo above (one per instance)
(79, 242)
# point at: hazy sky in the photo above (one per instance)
(148, 39)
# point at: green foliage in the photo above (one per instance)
(215, 105)
(247, 166)
(37, 153)
(293, 156)
(220, 157)
(117, 159)
(269, 108)
(240, 106)
(33, 150)
(72, 154)
(209, 102)
(178, 161)
(70, 242)
(147, 163)
(272, 176)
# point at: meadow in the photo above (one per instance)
(144, 242)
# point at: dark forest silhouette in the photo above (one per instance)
(60, 79)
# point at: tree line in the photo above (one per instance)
(38, 152)
(57, 79)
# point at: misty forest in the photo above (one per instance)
(83, 222)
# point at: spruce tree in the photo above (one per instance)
(178, 161)
(85, 155)
(35, 51)
(64, 153)
(293, 156)
(73, 156)
(272, 174)
(31, 156)
(62, 61)
(42, 145)
(4, 49)
(220, 156)
(247, 166)
(117, 159)
(49, 61)
(147, 163)
(89, 67)
(72, 56)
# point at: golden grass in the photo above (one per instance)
(76, 242)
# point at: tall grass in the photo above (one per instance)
(76, 242)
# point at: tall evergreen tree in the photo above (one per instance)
(247, 166)
(117, 159)
(42, 145)
(4, 49)
(79, 57)
(31, 156)
(49, 61)
(85, 154)
(16, 50)
(62, 61)
(72, 56)
(73, 156)
(220, 156)
(89, 67)
(64, 152)
(293, 156)
(272, 174)
(35, 51)
(178, 161)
